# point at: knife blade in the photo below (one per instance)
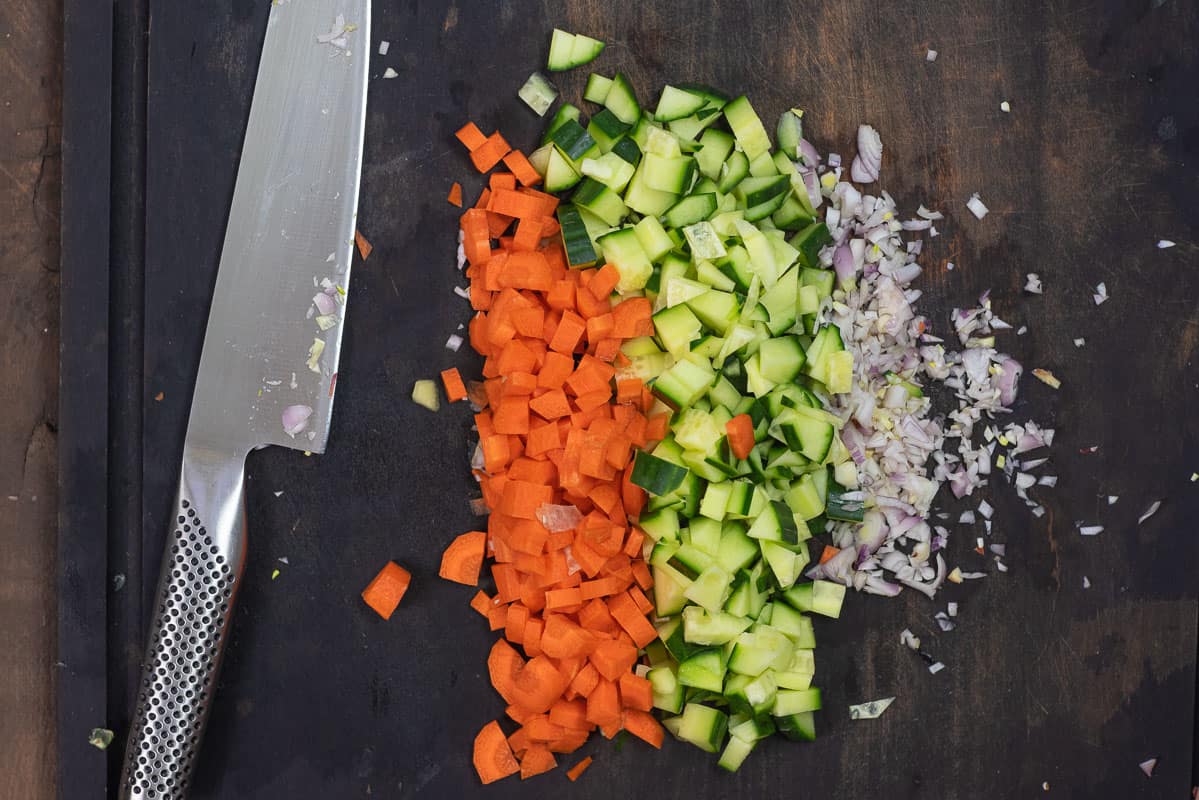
(268, 369)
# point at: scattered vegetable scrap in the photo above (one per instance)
(364, 247)
(870, 710)
(384, 593)
(424, 393)
(1147, 766)
(575, 772)
(100, 738)
(1048, 378)
(455, 195)
(455, 389)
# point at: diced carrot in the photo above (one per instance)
(503, 665)
(604, 282)
(643, 603)
(563, 598)
(603, 703)
(643, 725)
(488, 154)
(470, 135)
(536, 760)
(455, 389)
(481, 602)
(551, 405)
(576, 772)
(501, 180)
(740, 431)
(497, 618)
(514, 624)
(570, 330)
(613, 658)
(531, 638)
(636, 692)
(387, 589)
(463, 559)
(538, 684)
(571, 714)
(630, 617)
(828, 552)
(493, 757)
(521, 168)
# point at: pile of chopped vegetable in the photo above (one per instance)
(701, 350)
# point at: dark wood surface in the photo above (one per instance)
(29, 281)
(1046, 682)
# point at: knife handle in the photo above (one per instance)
(201, 567)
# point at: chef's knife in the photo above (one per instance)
(269, 364)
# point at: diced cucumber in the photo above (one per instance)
(661, 525)
(676, 327)
(623, 250)
(575, 239)
(734, 169)
(584, 50)
(667, 691)
(560, 173)
(747, 127)
(704, 241)
(606, 129)
(669, 595)
(775, 523)
(656, 475)
(538, 93)
(785, 563)
(609, 169)
(597, 88)
(818, 597)
(789, 133)
(715, 146)
(627, 149)
(703, 726)
(704, 627)
(716, 309)
(622, 101)
(691, 209)
(676, 103)
(561, 47)
(735, 753)
(796, 701)
(600, 200)
(703, 670)
(799, 727)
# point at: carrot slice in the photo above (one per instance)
(463, 559)
(455, 195)
(643, 725)
(384, 593)
(364, 247)
(536, 760)
(493, 757)
(575, 772)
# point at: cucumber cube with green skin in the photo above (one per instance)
(642, 198)
(709, 273)
(560, 172)
(703, 670)
(597, 88)
(715, 309)
(785, 563)
(599, 200)
(735, 753)
(622, 101)
(705, 534)
(737, 550)
(584, 50)
(809, 241)
(792, 701)
(574, 141)
(789, 132)
(676, 103)
(658, 141)
(763, 166)
(661, 525)
(703, 726)
(716, 497)
(669, 597)
(627, 149)
(715, 146)
(780, 358)
(747, 127)
(623, 251)
(710, 588)
(798, 727)
(561, 48)
(710, 628)
(668, 174)
(609, 169)
(691, 209)
(656, 475)
(819, 597)
(668, 693)
(697, 430)
(575, 239)
(775, 523)
(676, 327)
(734, 170)
(653, 238)
(683, 384)
(565, 113)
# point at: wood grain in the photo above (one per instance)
(29, 207)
